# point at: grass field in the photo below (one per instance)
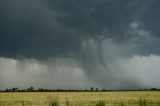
(81, 98)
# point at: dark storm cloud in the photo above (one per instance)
(29, 29)
(51, 28)
(103, 41)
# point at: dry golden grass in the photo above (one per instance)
(79, 98)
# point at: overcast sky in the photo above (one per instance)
(111, 44)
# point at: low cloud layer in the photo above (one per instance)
(111, 44)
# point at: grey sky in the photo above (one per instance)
(79, 43)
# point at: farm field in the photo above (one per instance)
(132, 98)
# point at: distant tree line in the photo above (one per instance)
(31, 89)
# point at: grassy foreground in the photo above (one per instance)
(134, 98)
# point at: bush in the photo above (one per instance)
(100, 103)
(122, 104)
(142, 102)
(23, 103)
(67, 102)
(53, 102)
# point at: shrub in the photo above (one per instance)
(22, 103)
(53, 102)
(142, 102)
(122, 104)
(100, 103)
(67, 102)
